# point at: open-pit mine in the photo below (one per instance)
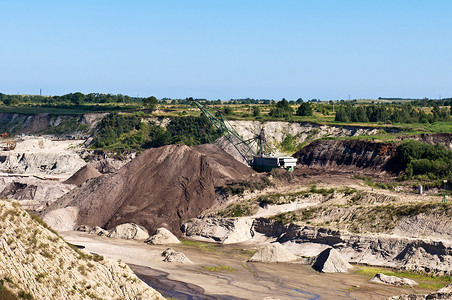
(196, 222)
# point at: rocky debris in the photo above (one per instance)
(41, 163)
(223, 230)
(349, 155)
(162, 236)
(98, 231)
(85, 173)
(444, 293)
(392, 280)
(33, 193)
(331, 261)
(84, 228)
(273, 252)
(162, 187)
(107, 162)
(173, 256)
(387, 251)
(129, 231)
(40, 264)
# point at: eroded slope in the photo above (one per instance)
(36, 262)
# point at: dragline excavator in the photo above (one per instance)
(254, 151)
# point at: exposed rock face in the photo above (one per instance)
(393, 280)
(225, 231)
(162, 187)
(173, 256)
(85, 173)
(40, 263)
(273, 252)
(395, 252)
(33, 193)
(436, 138)
(41, 156)
(331, 261)
(42, 123)
(349, 155)
(162, 236)
(128, 231)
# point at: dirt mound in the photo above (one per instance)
(82, 175)
(331, 261)
(274, 252)
(162, 187)
(349, 155)
(172, 256)
(128, 231)
(162, 236)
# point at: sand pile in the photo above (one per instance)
(162, 187)
(82, 175)
(128, 231)
(274, 252)
(162, 236)
(331, 261)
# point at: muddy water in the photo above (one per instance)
(173, 288)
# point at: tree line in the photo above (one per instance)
(405, 113)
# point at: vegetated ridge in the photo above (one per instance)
(35, 263)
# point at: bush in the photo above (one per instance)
(434, 161)
(305, 109)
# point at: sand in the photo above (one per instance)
(243, 279)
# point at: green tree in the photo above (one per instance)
(305, 109)
(151, 103)
(256, 111)
(282, 110)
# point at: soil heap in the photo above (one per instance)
(162, 187)
(273, 252)
(162, 236)
(82, 175)
(331, 261)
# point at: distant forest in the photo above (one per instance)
(409, 111)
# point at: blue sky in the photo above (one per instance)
(228, 49)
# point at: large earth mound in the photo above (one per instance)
(82, 175)
(162, 187)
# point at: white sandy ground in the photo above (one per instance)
(43, 146)
(247, 280)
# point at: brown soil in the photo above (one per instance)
(162, 187)
(82, 175)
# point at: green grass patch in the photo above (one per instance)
(425, 280)
(203, 246)
(219, 268)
